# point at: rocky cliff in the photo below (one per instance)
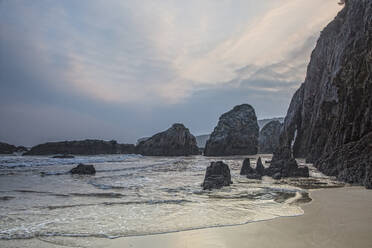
(176, 141)
(329, 120)
(268, 140)
(235, 134)
(6, 148)
(82, 147)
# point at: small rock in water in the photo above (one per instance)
(83, 169)
(217, 176)
(63, 156)
(277, 176)
(260, 169)
(246, 167)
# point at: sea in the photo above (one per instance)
(132, 195)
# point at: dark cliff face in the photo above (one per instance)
(235, 134)
(6, 148)
(268, 140)
(330, 115)
(83, 147)
(176, 141)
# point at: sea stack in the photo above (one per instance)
(235, 134)
(268, 140)
(176, 141)
(217, 175)
(329, 120)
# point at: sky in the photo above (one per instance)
(113, 69)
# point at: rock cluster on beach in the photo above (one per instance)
(235, 134)
(83, 147)
(176, 141)
(329, 120)
(83, 169)
(268, 139)
(6, 148)
(217, 175)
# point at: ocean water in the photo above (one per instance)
(131, 195)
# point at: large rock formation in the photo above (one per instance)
(217, 176)
(329, 120)
(6, 148)
(235, 134)
(83, 147)
(263, 122)
(176, 141)
(268, 140)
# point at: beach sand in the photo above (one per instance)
(340, 217)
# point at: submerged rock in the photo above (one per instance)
(235, 134)
(329, 120)
(82, 147)
(83, 169)
(268, 139)
(176, 141)
(286, 168)
(217, 175)
(63, 156)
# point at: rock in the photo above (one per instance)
(83, 169)
(286, 168)
(83, 147)
(246, 167)
(6, 148)
(263, 122)
(235, 134)
(254, 175)
(368, 177)
(176, 141)
(277, 176)
(63, 156)
(201, 140)
(260, 169)
(217, 176)
(329, 120)
(268, 140)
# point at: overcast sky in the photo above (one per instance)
(113, 69)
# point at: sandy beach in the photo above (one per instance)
(339, 217)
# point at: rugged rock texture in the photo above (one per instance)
(176, 141)
(9, 149)
(201, 140)
(329, 120)
(268, 140)
(286, 168)
(249, 171)
(263, 122)
(235, 134)
(217, 176)
(83, 147)
(83, 169)
(260, 169)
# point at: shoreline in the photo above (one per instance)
(336, 217)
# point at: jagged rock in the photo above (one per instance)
(368, 177)
(83, 147)
(63, 156)
(268, 140)
(83, 169)
(263, 122)
(176, 141)
(286, 168)
(217, 175)
(260, 169)
(6, 148)
(329, 120)
(235, 134)
(246, 167)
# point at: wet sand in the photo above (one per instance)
(340, 217)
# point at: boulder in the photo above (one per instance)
(286, 168)
(83, 169)
(329, 120)
(217, 175)
(82, 147)
(268, 139)
(235, 134)
(176, 141)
